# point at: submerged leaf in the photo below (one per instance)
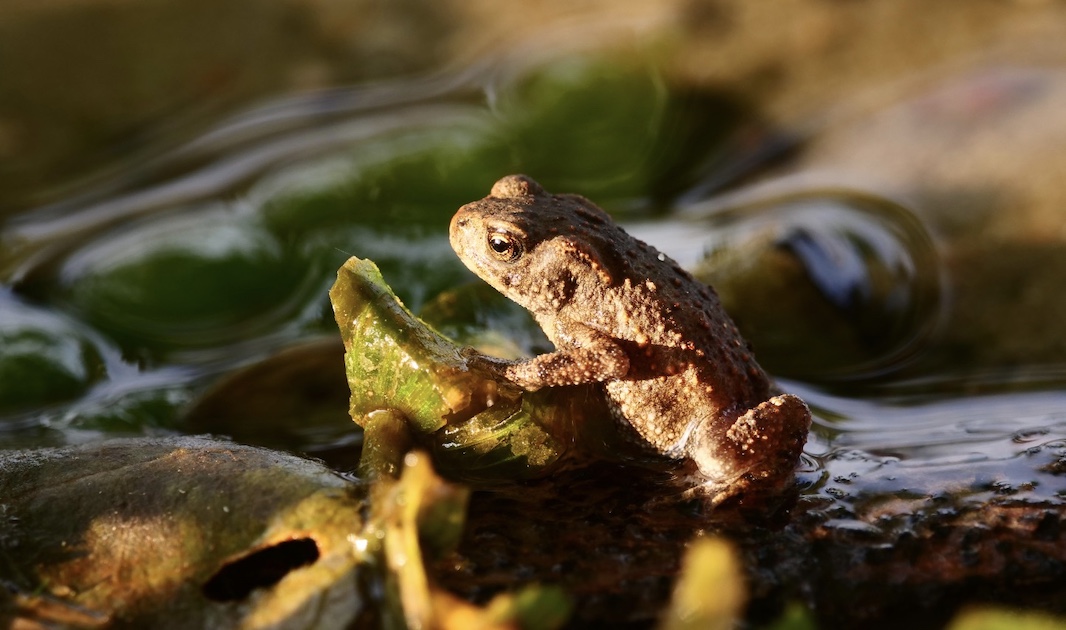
(44, 357)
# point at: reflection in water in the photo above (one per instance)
(1008, 443)
(828, 285)
(224, 174)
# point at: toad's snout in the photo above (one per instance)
(457, 226)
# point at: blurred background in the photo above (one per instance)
(90, 87)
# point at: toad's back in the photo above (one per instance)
(618, 311)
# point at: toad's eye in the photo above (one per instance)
(505, 246)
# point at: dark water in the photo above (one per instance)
(122, 305)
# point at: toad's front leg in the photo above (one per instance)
(598, 361)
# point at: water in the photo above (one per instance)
(125, 304)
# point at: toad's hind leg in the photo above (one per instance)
(758, 451)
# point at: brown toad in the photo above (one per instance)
(672, 362)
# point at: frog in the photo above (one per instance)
(673, 366)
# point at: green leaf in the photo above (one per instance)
(478, 425)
